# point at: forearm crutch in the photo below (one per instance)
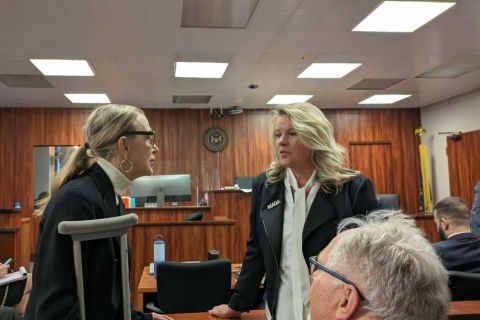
(94, 229)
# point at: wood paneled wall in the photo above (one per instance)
(464, 164)
(395, 127)
(180, 141)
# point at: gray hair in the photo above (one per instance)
(394, 266)
(316, 133)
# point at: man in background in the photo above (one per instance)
(459, 248)
(475, 221)
(383, 269)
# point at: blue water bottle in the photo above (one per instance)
(158, 251)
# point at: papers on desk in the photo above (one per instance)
(151, 268)
(246, 190)
(14, 276)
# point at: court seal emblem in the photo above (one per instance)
(215, 139)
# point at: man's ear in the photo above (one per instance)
(348, 303)
(444, 223)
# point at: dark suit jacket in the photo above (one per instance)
(266, 228)
(460, 252)
(54, 296)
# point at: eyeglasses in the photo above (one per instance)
(314, 265)
(141, 133)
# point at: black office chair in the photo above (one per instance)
(184, 287)
(388, 201)
(243, 182)
(464, 285)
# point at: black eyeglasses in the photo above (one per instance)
(315, 265)
(151, 135)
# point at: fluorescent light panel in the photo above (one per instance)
(402, 16)
(328, 70)
(56, 67)
(289, 98)
(200, 69)
(87, 97)
(384, 98)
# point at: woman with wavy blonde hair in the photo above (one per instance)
(296, 206)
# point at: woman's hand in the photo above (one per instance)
(224, 311)
(157, 316)
(4, 269)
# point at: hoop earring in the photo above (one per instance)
(129, 169)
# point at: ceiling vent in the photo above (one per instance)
(374, 84)
(24, 81)
(191, 99)
(217, 13)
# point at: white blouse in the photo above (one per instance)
(118, 179)
(294, 273)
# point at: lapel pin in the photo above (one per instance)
(273, 204)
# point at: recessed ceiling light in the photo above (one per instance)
(87, 97)
(328, 70)
(402, 16)
(289, 98)
(55, 67)
(384, 98)
(200, 69)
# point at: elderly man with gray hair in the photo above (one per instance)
(384, 268)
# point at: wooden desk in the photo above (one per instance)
(148, 284)
(465, 310)
(458, 310)
(252, 315)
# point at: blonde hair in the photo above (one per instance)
(103, 128)
(316, 133)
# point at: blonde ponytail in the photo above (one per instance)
(103, 128)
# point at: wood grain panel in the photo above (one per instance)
(464, 164)
(379, 125)
(374, 159)
(8, 245)
(236, 206)
(426, 223)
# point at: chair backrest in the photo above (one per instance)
(192, 287)
(244, 182)
(388, 201)
(464, 285)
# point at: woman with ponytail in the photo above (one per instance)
(120, 147)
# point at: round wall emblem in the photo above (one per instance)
(215, 139)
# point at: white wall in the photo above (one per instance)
(41, 170)
(457, 114)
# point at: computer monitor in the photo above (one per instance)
(243, 182)
(175, 187)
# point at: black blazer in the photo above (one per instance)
(460, 252)
(266, 229)
(54, 296)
